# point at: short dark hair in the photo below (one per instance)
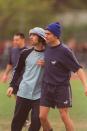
(22, 36)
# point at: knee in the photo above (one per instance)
(63, 114)
(42, 118)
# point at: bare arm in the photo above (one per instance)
(82, 77)
(8, 69)
(6, 72)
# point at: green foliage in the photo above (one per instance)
(67, 5)
(21, 15)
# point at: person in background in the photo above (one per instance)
(14, 53)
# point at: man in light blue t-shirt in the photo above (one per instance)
(29, 92)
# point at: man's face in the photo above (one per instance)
(33, 39)
(50, 38)
(17, 40)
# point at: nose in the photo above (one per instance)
(45, 35)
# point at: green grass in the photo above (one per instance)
(78, 113)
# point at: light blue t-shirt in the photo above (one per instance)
(30, 86)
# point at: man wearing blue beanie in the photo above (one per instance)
(56, 89)
(55, 28)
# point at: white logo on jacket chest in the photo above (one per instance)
(53, 62)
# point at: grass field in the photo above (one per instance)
(78, 112)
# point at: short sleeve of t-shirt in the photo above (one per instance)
(70, 61)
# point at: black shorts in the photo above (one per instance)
(56, 96)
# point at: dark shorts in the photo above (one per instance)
(56, 96)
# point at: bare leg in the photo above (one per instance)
(66, 119)
(43, 118)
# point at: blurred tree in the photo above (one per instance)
(21, 15)
(66, 5)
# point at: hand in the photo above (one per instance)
(10, 91)
(41, 62)
(4, 78)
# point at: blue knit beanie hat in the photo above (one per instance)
(54, 28)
